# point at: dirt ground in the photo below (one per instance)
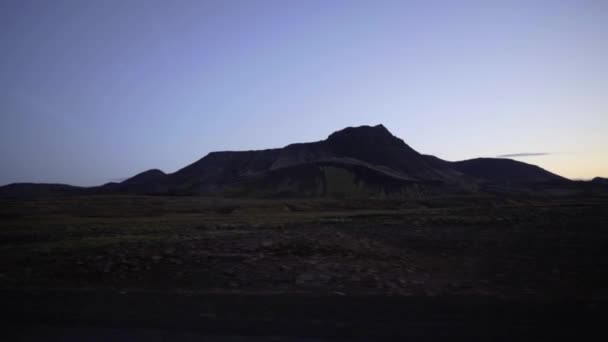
(529, 250)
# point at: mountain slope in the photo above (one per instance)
(147, 182)
(504, 171)
(498, 170)
(338, 178)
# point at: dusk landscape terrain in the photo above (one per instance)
(357, 220)
(303, 170)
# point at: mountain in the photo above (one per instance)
(355, 161)
(366, 156)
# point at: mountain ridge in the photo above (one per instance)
(354, 161)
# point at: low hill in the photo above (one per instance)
(147, 182)
(505, 171)
(40, 190)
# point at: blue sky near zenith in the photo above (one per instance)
(92, 91)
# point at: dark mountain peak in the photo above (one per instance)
(377, 133)
(375, 145)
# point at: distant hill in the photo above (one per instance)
(40, 190)
(505, 171)
(145, 182)
(355, 161)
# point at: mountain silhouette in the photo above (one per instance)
(355, 161)
(144, 182)
(499, 170)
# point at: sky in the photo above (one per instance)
(94, 91)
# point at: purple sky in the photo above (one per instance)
(92, 91)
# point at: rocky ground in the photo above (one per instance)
(515, 250)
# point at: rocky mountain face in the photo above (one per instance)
(356, 161)
(361, 161)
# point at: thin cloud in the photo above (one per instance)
(531, 154)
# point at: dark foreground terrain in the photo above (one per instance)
(187, 268)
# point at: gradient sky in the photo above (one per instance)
(97, 90)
